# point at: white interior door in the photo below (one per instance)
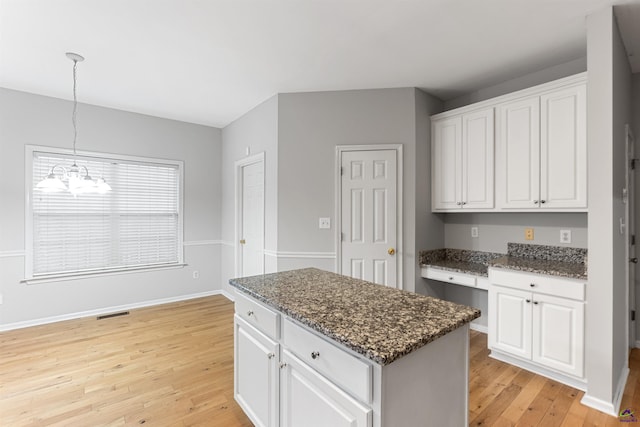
(369, 202)
(250, 216)
(630, 232)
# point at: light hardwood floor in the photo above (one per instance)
(172, 365)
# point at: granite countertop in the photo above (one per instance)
(542, 259)
(459, 260)
(381, 323)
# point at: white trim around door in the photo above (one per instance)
(340, 149)
(239, 165)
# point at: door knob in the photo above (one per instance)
(633, 260)
(242, 241)
(391, 251)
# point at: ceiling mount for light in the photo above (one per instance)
(72, 176)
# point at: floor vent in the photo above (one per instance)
(106, 316)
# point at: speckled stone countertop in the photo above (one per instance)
(542, 259)
(381, 323)
(459, 260)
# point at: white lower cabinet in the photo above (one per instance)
(309, 399)
(256, 374)
(288, 375)
(540, 321)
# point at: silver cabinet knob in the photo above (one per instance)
(535, 202)
(283, 365)
(271, 355)
(315, 354)
(249, 313)
(543, 201)
(528, 301)
(533, 285)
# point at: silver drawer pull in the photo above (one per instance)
(533, 285)
(315, 354)
(249, 313)
(450, 277)
(271, 355)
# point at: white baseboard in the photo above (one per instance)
(479, 328)
(610, 408)
(107, 310)
(537, 369)
(599, 404)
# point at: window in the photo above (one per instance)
(136, 225)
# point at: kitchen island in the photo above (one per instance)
(315, 348)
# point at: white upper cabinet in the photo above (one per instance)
(518, 147)
(540, 148)
(542, 151)
(446, 180)
(462, 162)
(563, 149)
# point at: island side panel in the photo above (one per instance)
(428, 387)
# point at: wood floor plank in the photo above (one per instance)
(172, 365)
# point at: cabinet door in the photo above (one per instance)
(477, 160)
(563, 149)
(446, 164)
(310, 400)
(518, 149)
(558, 334)
(510, 321)
(256, 374)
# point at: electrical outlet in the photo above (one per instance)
(196, 274)
(324, 223)
(565, 236)
(528, 234)
(474, 231)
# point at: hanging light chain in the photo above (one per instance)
(75, 110)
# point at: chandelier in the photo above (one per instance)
(74, 178)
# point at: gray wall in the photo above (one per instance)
(258, 130)
(635, 126)
(429, 232)
(311, 125)
(531, 79)
(38, 120)
(608, 108)
(495, 230)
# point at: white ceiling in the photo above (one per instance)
(210, 61)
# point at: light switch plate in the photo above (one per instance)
(324, 223)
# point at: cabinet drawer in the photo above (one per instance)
(449, 276)
(349, 372)
(256, 314)
(555, 286)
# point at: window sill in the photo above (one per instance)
(91, 274)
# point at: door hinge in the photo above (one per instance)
(633, 163)
(341, 170)
(342, 237)
(633, 315)
(633, 239)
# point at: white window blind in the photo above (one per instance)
(137, 224)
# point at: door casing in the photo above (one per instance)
(239, 165)
(338, 203)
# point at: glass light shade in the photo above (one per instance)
(51, 184)
(102, 185)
